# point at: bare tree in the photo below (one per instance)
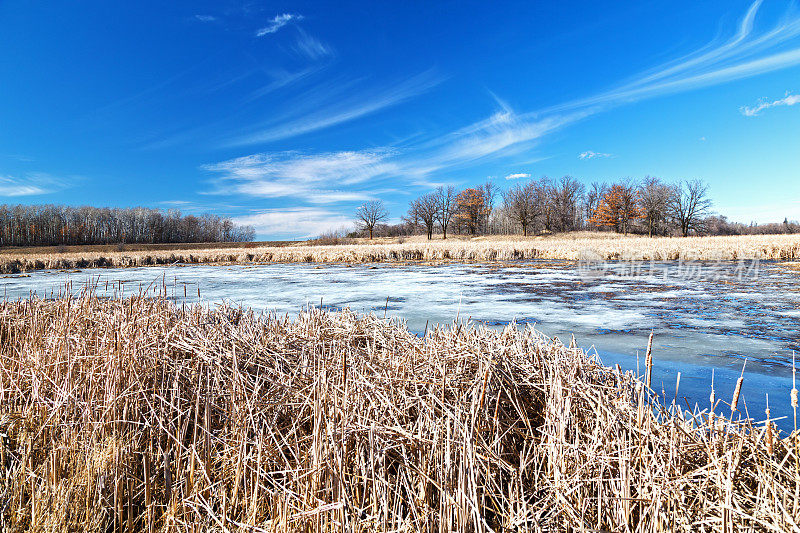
(545, 190)
(565, 196)
(490, 191)
(446, 202)
(426, 210)
(524, 204)
(689, 205)
(43, 225)
(370, 214)
(653, 197)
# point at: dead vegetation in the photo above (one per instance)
(571, 247)
(140, 415)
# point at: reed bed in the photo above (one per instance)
(566, 247)
(139, 415)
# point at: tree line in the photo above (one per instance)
(50, 225)
(647, 206)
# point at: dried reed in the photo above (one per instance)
(139, 415)
(566, 247)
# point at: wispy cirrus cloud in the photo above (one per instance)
(311, 47)
(745, 54)
(518, 176)
(277, 23)
(31, 184)
(205, 18)
(328, 109)
(500, 133)
(294, 222)
(319, 178)
(589, 154)
(788, 100)
(504, 133)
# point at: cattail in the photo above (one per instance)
(770, 442)
(648, 360)
(736, 392)
(794, 398)
(713, 399)
(769, 437)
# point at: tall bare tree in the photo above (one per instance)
(446, 202)
(689, 205)
(565, 197)
(425, 209)
(369, 214)
(524, 204)
(653, 197)
(490, 191)
(545, 192)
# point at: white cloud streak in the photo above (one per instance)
(518, 176)
(788, 100)
(743, 55)
(277, 23)
(32, 184)
(311, 47)
(592, 155)
(294, 222)
(336, 112)
(317, 179)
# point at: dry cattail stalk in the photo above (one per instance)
(737, 390)
(648, 360)
(769, 437)
(211, 419)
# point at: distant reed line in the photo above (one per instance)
(765, 247)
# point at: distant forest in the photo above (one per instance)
(541, 206)
(53, 225)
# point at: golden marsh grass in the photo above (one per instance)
(488, 249)
(140, 415)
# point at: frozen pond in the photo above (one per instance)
(705, 316)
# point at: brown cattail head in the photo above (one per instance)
(648, 360)
(736, 392)
(769, 436)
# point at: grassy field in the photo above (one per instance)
(482, 249)
(139, 415)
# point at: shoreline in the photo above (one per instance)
(782, 248)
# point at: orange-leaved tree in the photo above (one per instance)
(617, 208)
(471, 208)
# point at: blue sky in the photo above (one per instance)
(287, 116)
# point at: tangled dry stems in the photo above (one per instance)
(137, 414)
(560, 247)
